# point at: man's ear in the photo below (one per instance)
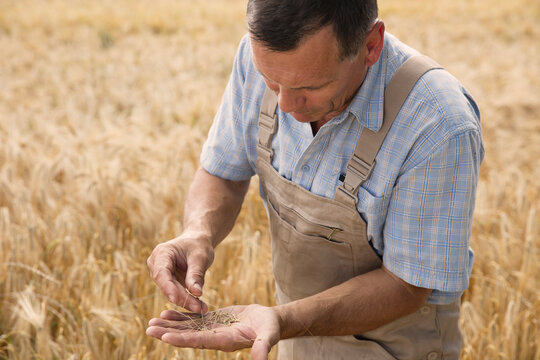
(374, 43)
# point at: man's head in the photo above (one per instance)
(314, 54)
(282, 25)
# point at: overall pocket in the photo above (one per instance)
(307, 262)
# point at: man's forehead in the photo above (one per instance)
(312, 63)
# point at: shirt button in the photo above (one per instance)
(305, 168)
(433, 355)
(424, 310)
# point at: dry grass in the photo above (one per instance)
(103, 110)
(208, 321)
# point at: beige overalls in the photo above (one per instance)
(318, 243)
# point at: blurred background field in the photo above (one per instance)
(104, 106)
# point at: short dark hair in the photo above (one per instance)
(281, 25)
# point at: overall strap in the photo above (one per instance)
(268, 125)
(363, 159)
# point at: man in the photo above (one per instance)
(369, 194)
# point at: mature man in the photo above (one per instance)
(368, 157)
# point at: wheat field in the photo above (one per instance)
(104, 107)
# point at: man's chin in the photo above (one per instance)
(301, 117)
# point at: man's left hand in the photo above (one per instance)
(256, 326)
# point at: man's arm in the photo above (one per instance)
(353, 307)
(212, 205)
(358, 305)
(211, 208)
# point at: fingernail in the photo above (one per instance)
(198, 287)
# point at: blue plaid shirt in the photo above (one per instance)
(418, 202)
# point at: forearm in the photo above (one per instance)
(358, 305)
(212, 206)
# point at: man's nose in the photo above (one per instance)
(290, 100)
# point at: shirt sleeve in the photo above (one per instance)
(224, 153)
(429, 219)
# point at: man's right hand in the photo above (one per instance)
(180, 264)
(212, 205)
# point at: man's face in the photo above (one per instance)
(312, 83)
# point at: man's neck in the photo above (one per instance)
(316, 125)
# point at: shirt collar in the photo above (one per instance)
(367, 105)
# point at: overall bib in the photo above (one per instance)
(318, 243)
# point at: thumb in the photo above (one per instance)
(260, 349)
(197, 264)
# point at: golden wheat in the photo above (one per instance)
(104, 107)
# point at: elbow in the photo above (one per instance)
(413, 295)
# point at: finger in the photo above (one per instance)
(162, 267)
(158, 331)
(198, 263)
(260, 349)
(163, 278)
(177, 294)
(178, 325)
(191, 303)
(219, 339)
